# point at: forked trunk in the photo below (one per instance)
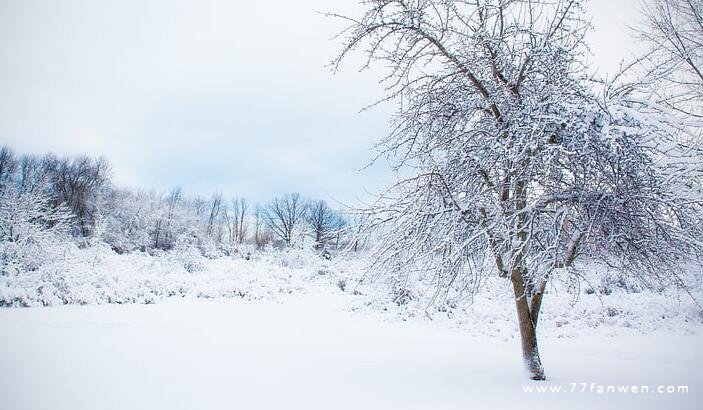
(528, 333)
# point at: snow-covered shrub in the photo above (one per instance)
(188, 256)
(297, 257)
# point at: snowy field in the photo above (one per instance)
(310, 352)
(291, 330)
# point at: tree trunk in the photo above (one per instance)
(528, 333)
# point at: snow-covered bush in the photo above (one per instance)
(98, 274)
(188, 256)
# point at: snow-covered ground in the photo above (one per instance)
(310, 352)
(291, 330)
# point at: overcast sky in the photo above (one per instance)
(233, 96)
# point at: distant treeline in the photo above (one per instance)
(44, 195)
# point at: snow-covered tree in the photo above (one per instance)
(515, 157)
(31, 226)
(129, 218)
(166, 231)
(147, 221)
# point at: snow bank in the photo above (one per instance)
(97, 275)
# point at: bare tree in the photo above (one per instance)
(172, 202)
(515, 158)
(324, 222)
(284, 215)
(161, 221)
(79, 184)
(240, 207)
(8, 166)
(34, 174)
(163, 234)
(215, 210)
(262, 235)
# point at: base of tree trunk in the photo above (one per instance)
(528, 333)
(534, 366)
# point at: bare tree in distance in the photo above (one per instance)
(324, 222)
(284, 215)
(516, 158)
(240, 208)
(78, 184)
(173, 201)
(163, 235)
(262, 235)
(215, 210)
(8, 166)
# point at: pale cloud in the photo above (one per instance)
(211, 95)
